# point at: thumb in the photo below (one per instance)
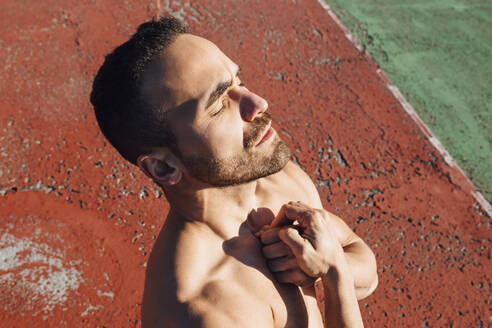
(291, 237)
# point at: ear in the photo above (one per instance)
(161, 166)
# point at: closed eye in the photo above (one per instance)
(220, 108)
(223, 99)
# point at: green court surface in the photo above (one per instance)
(439, 54)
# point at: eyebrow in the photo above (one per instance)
(219, 90)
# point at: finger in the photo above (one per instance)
(300, 212)
(291, 212)
(275, 250)
(283, 264)
(280, 219)
(295, 276)
(261, 230)
(260, 218)
(269, 236)
(293, 240)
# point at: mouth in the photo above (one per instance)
(268, 134)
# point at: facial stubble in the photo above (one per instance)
(247, 166)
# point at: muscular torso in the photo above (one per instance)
(195, 272)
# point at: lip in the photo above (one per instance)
(269, 132)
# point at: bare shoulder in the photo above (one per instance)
(186, 286)
(344, 234)
(176, 273)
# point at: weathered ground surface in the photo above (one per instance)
(77, 223)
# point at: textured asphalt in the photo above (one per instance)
(77, 223)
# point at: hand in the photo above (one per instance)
(300, 244)
(281, 260)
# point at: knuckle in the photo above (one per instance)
(290, 232)
(282, 233)
(284, 249)
(309, 213)
(272, 265)
(267, 252)
(292, 262)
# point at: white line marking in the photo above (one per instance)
(411, 112)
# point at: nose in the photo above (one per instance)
(251, 105)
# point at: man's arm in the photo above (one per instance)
(341, 307)
(317, 254)
(360, 258)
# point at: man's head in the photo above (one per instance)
(173, 103)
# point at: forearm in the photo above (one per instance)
(341, 307)
(362, 265)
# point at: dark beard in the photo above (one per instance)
(244, 167)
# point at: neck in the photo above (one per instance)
(223, 209)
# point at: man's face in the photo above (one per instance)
(223, 132)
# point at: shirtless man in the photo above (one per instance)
(246, 235)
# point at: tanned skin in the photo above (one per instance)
(244, 255)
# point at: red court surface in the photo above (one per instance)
(77, 223)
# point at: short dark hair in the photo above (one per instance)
(127, 120)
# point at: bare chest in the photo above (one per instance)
(246, 269)
(245, 265)
(232, 273)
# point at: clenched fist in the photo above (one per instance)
(301, 244)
